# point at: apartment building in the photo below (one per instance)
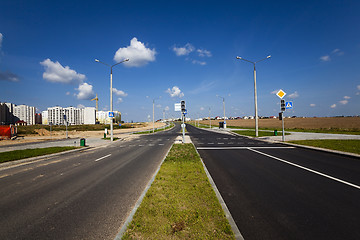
(72, 115)
(24, 113)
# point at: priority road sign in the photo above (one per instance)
(281, 94)
(288, 105)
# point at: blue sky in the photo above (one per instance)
(182, 50)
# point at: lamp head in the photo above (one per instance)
(97, 60)
(269, 56)
(238, 57)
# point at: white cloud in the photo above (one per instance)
(204, 53)
(119, 92)
(55, 72)
(198, 62)
(202, 108)
(137, 54)
(182, 51)
(158, 106)
(312, 105)
(293, 95)
(1, 38)
(347, 97)
(167, 108)
(337, 52)
(120, 100)
(358, 87)
(175, 92)
(85, 91)
(67, 93)
(325, 58)
(275, 91)
(344, 102)
(333, 106)
(80, 106)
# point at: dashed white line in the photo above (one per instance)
(103, 157)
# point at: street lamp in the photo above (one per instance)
(154, 112)
(223, 108)
(111, 94)
(255, 95)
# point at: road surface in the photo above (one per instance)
(82, 195)
(274, 191)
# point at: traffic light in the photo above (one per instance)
(280, 115)
(282, 105)
(183, 106)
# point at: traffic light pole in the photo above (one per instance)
(282, 105)
(183, 127)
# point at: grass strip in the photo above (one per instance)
(28, 153)
(180, 203)
(251, 133)
(351, 146)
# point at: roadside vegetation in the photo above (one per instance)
(181, 203)
(28, 153)
(251, 133)
(351, 146)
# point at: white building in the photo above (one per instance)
(25, 113)
(45, 117)
(71, 115)
(89, 116)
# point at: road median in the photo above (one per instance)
(180, 203)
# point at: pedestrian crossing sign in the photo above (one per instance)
(288, 105)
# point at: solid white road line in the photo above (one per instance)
(103, 157)
(307, 169)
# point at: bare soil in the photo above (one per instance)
(44, 135)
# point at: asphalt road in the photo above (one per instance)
(274, 191)
(83, 195)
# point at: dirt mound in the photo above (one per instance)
(42, 132)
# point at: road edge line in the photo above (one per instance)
(128, 220)
(228, 215)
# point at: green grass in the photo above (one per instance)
(27, 153)
(352, 146)
(181, 203)
(251, 133)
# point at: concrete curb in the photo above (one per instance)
(10, 164)
(228, 215)
(139, 201)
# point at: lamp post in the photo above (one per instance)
(111, 94)
(154, 112)
(255, 94)
(223, 109)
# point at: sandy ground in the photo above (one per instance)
(78, 134)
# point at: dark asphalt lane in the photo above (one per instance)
(272, 199)
(83, 195)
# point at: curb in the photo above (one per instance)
(139, 201)
(10, 164)
(228, 215)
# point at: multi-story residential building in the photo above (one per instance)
(7, 113)
(44, 116)
(25, 113)
(70, 115)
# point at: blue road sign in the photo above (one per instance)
(288, 105)
(111, 114)
(185, 112)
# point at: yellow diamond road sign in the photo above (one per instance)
(281, 93)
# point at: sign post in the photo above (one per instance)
(282, 94)
(183, 113)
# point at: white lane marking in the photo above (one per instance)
(161, 144)
(307, 169)
(226, 148)
(103, 157)
(220, 143)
